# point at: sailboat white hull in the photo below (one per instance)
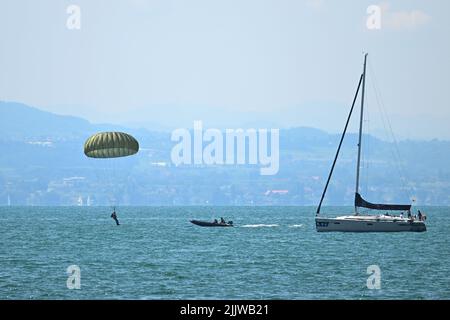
(369, 224)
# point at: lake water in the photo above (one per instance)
(156, 253)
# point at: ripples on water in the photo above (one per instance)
(272, 253)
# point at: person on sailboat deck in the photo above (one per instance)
(420, 215)
(409, 214)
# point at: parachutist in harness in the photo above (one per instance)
(109, 145)
(114, 216)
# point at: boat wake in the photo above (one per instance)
(259, 225)
(296, 226)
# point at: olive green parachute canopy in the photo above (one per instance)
(110, 145)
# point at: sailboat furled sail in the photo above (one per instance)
(361, 203)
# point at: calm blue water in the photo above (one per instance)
(273, 253)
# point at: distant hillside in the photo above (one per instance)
(21, 121)
(43, 163)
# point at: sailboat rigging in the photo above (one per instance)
(357, 222)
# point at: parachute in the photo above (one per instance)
(110, 145)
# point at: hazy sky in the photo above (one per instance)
(165, 63)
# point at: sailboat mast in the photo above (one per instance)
(358, 164)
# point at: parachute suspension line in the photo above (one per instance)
(105, 182)
(113, 183)
(387, 125)
(103, 176)
(98, 176)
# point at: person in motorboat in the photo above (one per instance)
(222, 221)
(215, 221)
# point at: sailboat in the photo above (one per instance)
(366, 223)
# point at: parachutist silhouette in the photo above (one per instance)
(114, 216)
